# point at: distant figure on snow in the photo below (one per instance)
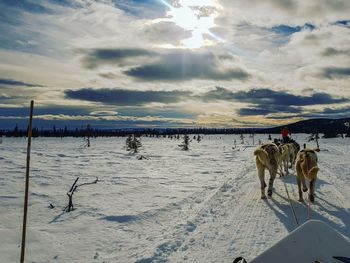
(285, 134)
(269, 137)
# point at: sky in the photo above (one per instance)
(173, 63)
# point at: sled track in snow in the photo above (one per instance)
(247, 230)
(232, 234)
(181, 237)
(253, 223)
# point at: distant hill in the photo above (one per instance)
(313, 126)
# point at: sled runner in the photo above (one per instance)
(312, 242)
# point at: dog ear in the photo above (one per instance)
(317, 150)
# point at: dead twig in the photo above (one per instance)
(70, 193)
(94, 182)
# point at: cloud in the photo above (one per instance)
(4, 96)
(103, 113)
(337, 111)
(285, 4)
(20, 111)
(271, 97)
(108, 75)
(102, 122)
(328, 112)
(77, 118)
(166, 32)
(291, 12)
(335, 72)
(27, 26)
(330, 51)
(11, 82)
(172, 111)
(126, 97)
(185, 65)
(173, 65)
(101, 56)
(96, 115)
(267, 101)
(268, 109)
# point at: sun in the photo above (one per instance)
(195, 16)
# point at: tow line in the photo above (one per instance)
(290, 203)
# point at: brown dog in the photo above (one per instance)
(306, 167)
(267, 157)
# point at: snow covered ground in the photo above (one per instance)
(198, 206)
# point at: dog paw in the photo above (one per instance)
(301, 200)
(269, 192)
(304, 189)
(263, 197)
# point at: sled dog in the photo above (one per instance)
(267, 156)
(296, 149)
(287, 155)
(306, 167)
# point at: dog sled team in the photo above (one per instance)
(279, 156)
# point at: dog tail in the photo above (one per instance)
(313, 172)
(260, 151)
(261, 154)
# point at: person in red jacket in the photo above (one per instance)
(285, 135)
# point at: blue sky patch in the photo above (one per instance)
(344, 23)
(141, 8)
(289, 30)
(26, 5)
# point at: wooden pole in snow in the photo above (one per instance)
(24, 228)
(318, 146)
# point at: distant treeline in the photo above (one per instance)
(328, 127)
(89, 131)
